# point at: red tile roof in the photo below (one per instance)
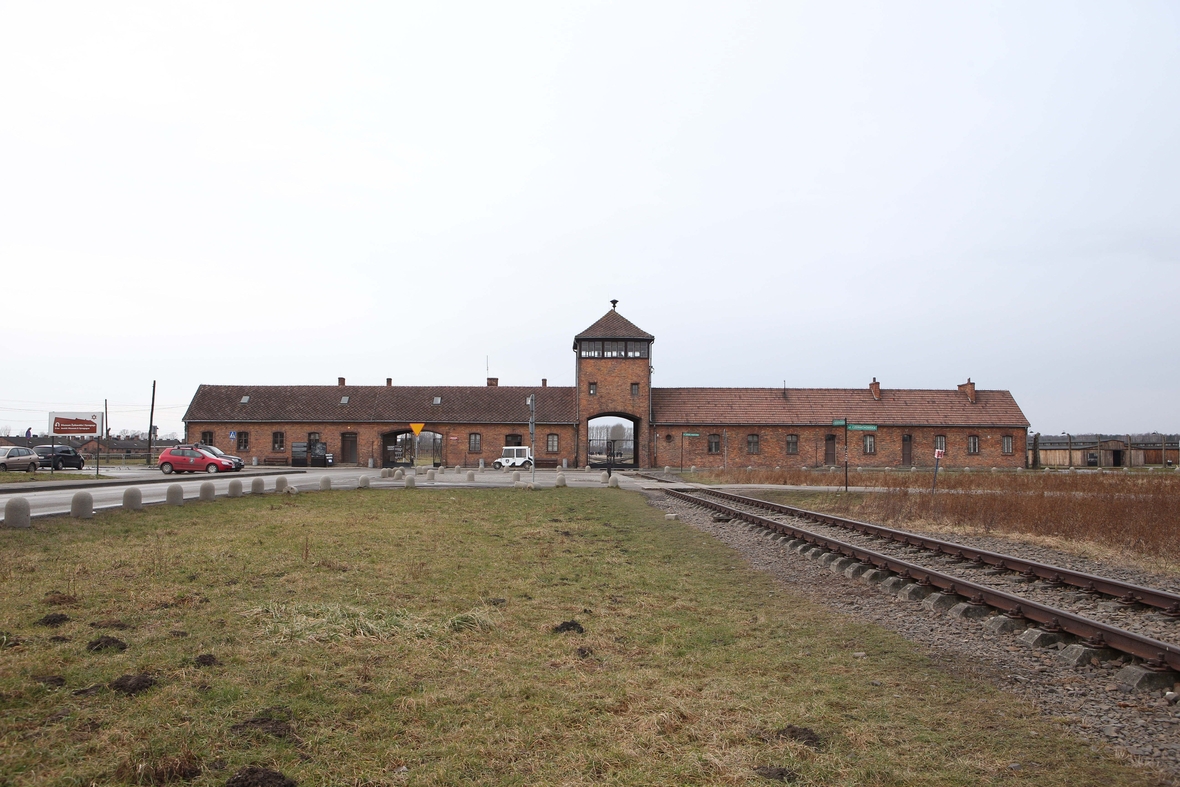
(376, 403)
(614, 326)
(819, 406)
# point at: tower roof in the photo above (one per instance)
(613, 325)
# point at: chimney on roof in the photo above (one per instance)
(493, 382)
(969, 389)
(388, 382)
(875, 387)
(340, 381)
(544, 383)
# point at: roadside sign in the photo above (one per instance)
(233, 435)
(690, 434)
(862, 427)
(939, 453)
(417, 428)
(839, 421)
(75, 423)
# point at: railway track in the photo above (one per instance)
(1052, 603)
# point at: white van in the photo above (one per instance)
(515, 456)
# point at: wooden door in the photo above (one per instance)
(907, 450)
(348, 448)
(830, 449)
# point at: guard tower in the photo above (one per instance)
(614, 379)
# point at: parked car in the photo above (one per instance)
(59, 456)
(16, 458)
(237, 460)
(185, 459)
(515, 456)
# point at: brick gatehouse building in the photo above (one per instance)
(706, 427)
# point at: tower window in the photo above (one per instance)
(594, 389)
(591, 349)
(635, 389)
(636, 349)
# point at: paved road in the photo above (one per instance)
(46, 498)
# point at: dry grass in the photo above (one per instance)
(433, 659)
(1129, 513)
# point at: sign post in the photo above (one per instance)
(938, 454)
(532, 403)
(682, 436)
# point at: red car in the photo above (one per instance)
(192, 460)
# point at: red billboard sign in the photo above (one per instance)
(75, 423)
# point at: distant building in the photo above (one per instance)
(706, 427)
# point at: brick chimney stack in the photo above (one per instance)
(544, 383)
(340, 381)
(493, 382)
(875, 387)
(388, 382)
(969, 389)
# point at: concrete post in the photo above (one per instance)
(257, 486)
(235, 488)
(429, 475)
(613, 483)
(132, 498)
(325, 484)
(605, 477)
(560, 480)
(175, 496)
(363, 483)
(208, 492)
(280, 484)
(82, 505)
(17, 513)
(515, 476)
(409, 482)
(398, 474)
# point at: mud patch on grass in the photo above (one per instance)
(132, 684)
(112, 623)
(275, 722)
(60, 639)
(805, 735)
(58, 599)
(777, 774)
(106, 643)
(256, 776)
(89, 690)
(569, 625)
(53, 681)
(52, 620)
(178, 633)
(207, 660)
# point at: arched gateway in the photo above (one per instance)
(614, 390)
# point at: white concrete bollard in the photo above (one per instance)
(370, 463)
(17, 512)
(429, 475)
(670, 517)
(471, 476)
(667, 469)
(692, 469)
(254, 461)
(208, 492)
(363, 482)
(281, 484)
(398, 474)
(481, 465)
(175, 495)
(515, 476)
(82, 505)
(560, 480)
(257, 486)
(291, 490)
(235, 488)
(613, 483)
(132, 498)
(605, 477)
(409, 482)
(325, 484)
(913, 469)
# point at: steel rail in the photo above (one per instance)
(1157, 655)
(1125, 592)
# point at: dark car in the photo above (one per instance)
(59, 456)
(237, 460)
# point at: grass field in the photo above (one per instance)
(9, 477)
(395, 637)
(1136, 514)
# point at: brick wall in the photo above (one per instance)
(369, 440)
(613, 378)
(772, 445)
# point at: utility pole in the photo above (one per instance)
(151, 422)
(533, 433)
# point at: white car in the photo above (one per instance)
(515, 456)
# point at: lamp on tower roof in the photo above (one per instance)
(614, 302)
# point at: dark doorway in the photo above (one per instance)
(1117, 458)
(348, 448)
(830, 449)
(317, 450)
(907, 450)
(513, 440)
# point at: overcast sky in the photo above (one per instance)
(817, 193)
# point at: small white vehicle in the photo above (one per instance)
(515, 456)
